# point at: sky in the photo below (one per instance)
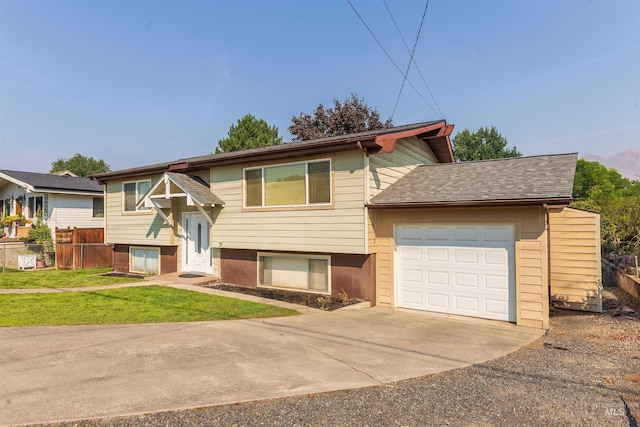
(137, 82)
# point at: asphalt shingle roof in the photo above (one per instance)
(514, 179)
(44, 181)
(273, 148)
(196, 187)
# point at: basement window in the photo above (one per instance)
(145, 260)
(309, 273)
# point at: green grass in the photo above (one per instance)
(149, 304)
(37, 279)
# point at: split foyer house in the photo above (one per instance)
(386, 216)
(63, 200)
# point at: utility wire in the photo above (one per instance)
(389, 56)
(406, 71)
(412, 60)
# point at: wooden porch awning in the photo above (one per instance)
(174, 185)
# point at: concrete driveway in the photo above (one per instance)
(79, 372)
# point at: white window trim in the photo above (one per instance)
(138, 197)
(306, 178)
(146, 248)
(289, 255)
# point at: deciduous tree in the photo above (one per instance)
(352, 115)
(80, 165)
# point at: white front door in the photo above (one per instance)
(196, 253)
(457, 269)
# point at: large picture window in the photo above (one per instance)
(132, 193)
(294, 184)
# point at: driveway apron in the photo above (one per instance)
(78, 372)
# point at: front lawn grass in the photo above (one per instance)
(148, 304)
(38, 279)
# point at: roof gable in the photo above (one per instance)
(192, 187)
(540, 179)
(47, 183)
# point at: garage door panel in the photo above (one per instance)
(467, 304)
(495, 282)
(412, 253)
(437, 254)
(467, 270)
(410, 275)
(498, 234)
(412, 298)
(437, 302)
(466, 280)
(437, 278)
(435, 234)
(497, 308)
(411, 235)
(465, 256)
(465, 234)
(496, 257)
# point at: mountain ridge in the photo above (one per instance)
(626, 162)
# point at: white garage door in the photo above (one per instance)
(457, 269)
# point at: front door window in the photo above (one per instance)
(196, 253)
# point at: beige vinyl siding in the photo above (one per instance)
(133, 228)
(385, 169)
(532, 300)
(339, 228)
(576, 269)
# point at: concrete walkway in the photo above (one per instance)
(78, 372)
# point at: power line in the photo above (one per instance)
(389, 56)
(412, 59)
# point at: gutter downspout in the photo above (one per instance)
(548, 228)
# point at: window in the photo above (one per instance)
(299, 272)
(98, 207)
(294, 184)
(132, 193)
(145, 260)
(34, 205)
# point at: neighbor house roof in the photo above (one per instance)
(48, 183)
(521, 180)
(434, 133)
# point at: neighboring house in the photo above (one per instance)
(386, 216)
(63, 200)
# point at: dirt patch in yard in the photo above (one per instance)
(322, 302)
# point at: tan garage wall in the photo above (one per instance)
(532, 291)
(576, 269)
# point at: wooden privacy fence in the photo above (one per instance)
(80, 248)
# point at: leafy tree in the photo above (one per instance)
(482, 144)
(616, 198)
(351, 116)
(80, 165)
(592, 178)
(249, 132)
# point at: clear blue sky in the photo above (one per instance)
(145, 81)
